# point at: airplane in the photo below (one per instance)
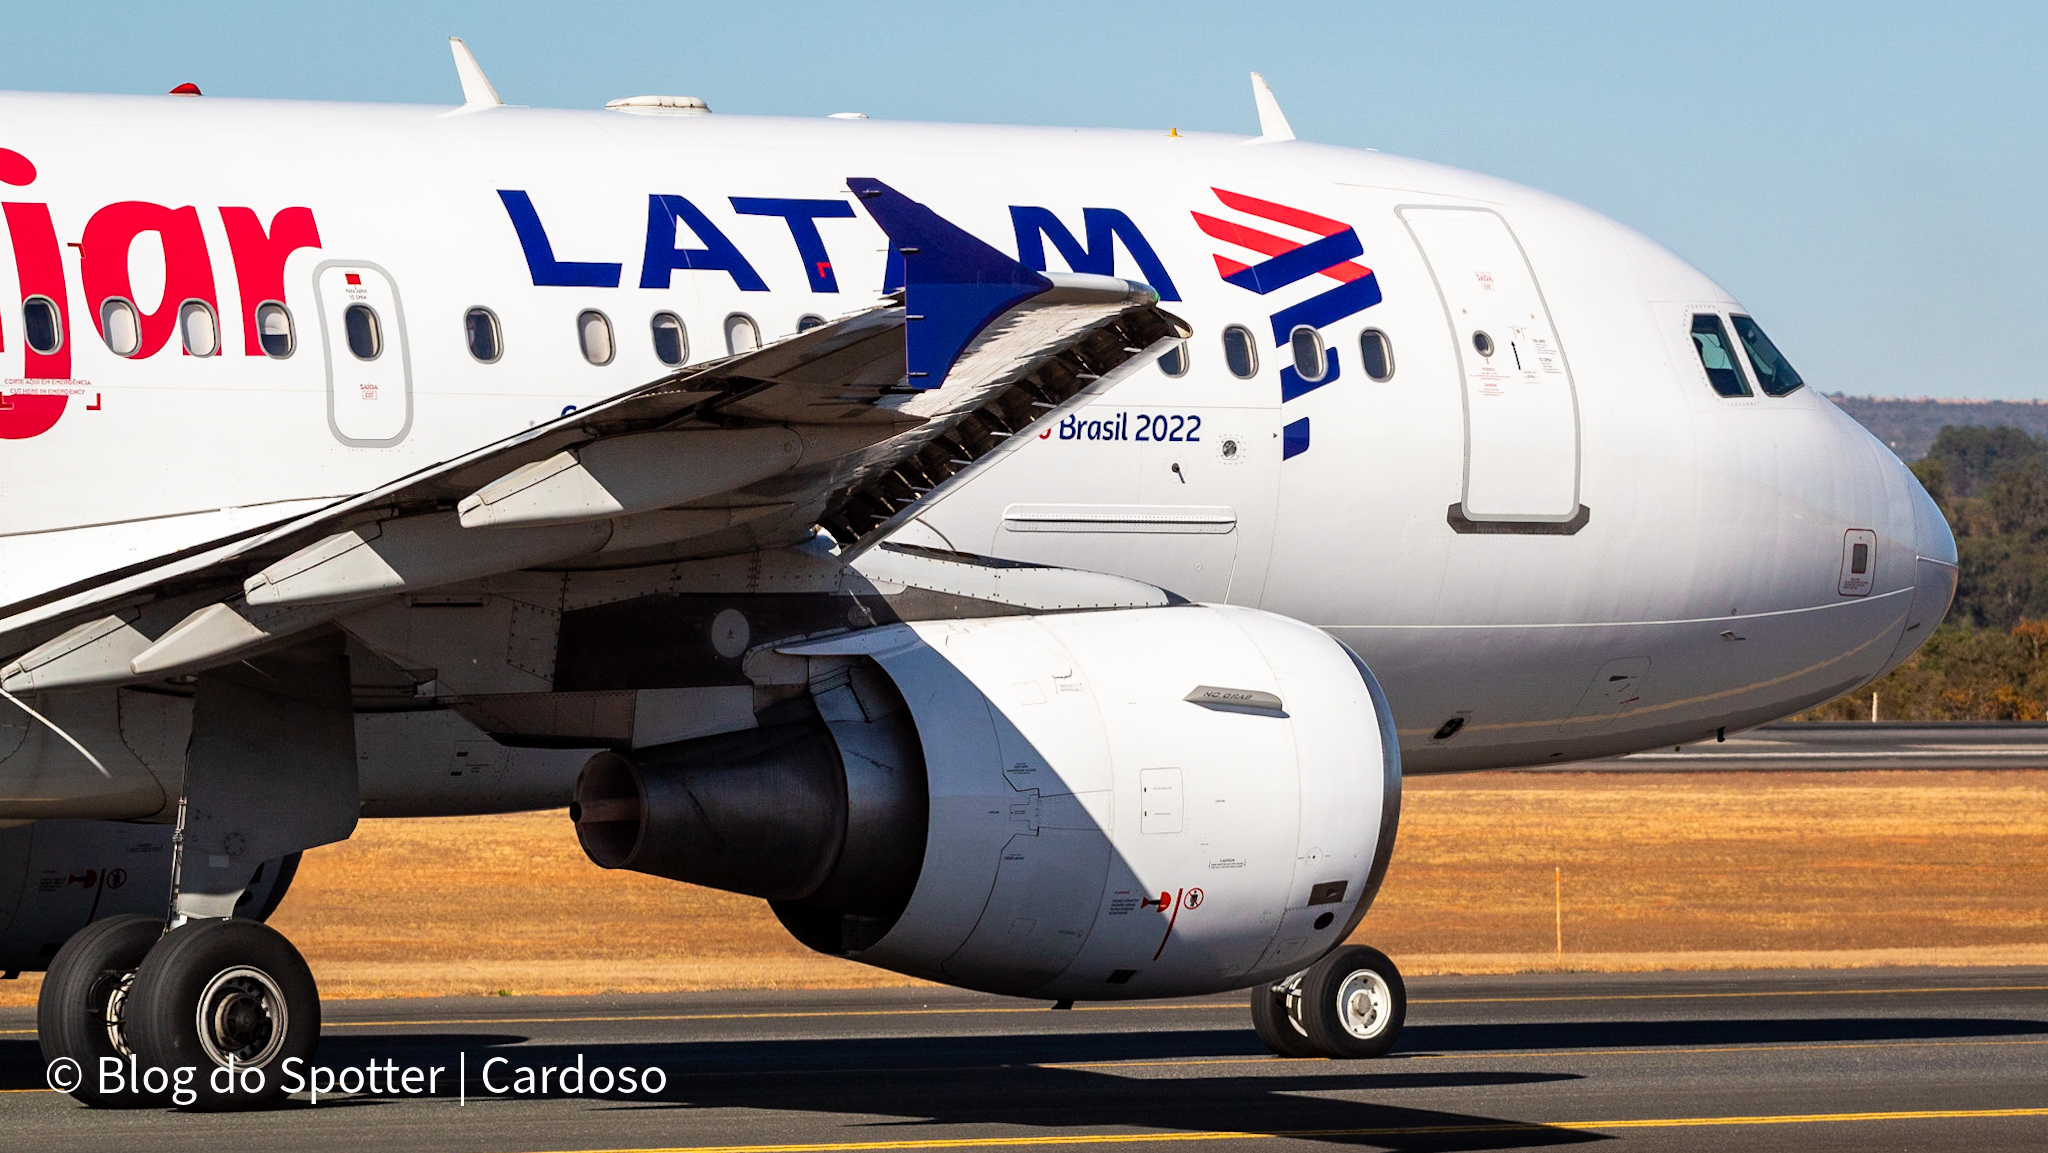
(1029, 559)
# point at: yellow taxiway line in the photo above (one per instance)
(1389, 1131)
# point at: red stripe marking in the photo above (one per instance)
(1280, 213)
(1243, 237)
(1269, 244)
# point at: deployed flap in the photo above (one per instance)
(1005, 582)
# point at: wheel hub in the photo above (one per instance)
(110, 993)
(1363, 1001)
(242, 1017)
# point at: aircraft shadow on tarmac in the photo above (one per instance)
(932, 1085)
(1072, 1080)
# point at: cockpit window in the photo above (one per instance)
(1774, 374)
(1717, 355)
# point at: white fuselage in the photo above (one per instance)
(1567, 546)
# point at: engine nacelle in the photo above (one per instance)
(1116, 804)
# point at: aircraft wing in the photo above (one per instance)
(848, 425)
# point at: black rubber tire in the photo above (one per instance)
(1348, 973)
(71, 1010)
(1276, 1026)
(256, 987)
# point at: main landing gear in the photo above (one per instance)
(132, 1005)
(205, 1014)
(1349, 1005)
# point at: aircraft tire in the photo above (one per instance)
(1273, 1021)
(216, 989)
(79, 1011)
(1353, 1003)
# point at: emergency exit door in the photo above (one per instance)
(369, 367)
(1521, 412)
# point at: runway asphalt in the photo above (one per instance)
(1843, 747)
(1814, 1061)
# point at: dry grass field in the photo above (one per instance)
(1658, 871)
(1718, 870)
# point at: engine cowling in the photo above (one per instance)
(1126, 803)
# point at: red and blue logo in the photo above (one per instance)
(1332, 251)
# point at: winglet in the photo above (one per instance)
(1273, 126)
(477, 93)
(954, 284)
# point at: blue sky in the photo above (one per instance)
(1869, 178)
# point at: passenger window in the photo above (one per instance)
(671, 342)
(1240, 355)
(1716, 356)
(41, 325)
(1376, 353)
(741, 334)
(1774, 373)
(1174, 361)
(486, 339)
(809, 321)
(274, 330)
(198, 329)
(1482, 344)
(121, 326)
(1308, 352)
(594, 330)
(365, 335)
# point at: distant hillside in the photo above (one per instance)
(1909, 425)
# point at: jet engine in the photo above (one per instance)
(1090, 805)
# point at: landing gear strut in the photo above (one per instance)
(1349, 1005)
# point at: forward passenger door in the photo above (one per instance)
(1521, 409)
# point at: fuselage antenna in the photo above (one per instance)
(477, 93)
(1273, 126)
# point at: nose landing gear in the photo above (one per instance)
(1349, 1005)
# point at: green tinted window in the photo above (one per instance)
(1773, 372)
(1717, 356)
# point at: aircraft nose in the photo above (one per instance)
(1934, 569)
(1932, 538)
